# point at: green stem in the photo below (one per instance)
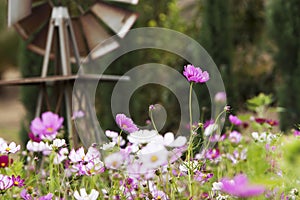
(152, 120)
(190, 147)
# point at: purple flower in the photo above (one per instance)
(25, 195)
(195, 74)
(46, 197)
(296, 133)
(235, 120)
(212, 154)
(33, 137)
(5, 182)
(126, 123)
(240, 187)
(47, 126)
(203, 177)
(17, 181)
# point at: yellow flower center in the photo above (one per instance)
(3, 164)
(114, 163)
(7, 149)
(158, 197)
(124, 126)
(49, 129)
(16, 183)
(154, 158)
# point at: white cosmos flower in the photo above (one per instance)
(58, 143)
(169, 140)
(11, 148)
(107, 146)
(217, 186)
(84, 196)
(111, 134)
(142, 136)
(61, 156)
(210, 129)
(38, 147)
(153, 155)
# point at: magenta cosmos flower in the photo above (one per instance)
(125, 123)
(17, 181)
(240, 187)
(47, 126)
(195, 74)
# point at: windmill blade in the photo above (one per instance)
(17, 10)
(118, 19)
(32, 23)
(80, 39)
(134, 2)
(38, 43)
(96, 36)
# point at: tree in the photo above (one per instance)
(285, 31)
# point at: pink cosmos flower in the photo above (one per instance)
(235, 120)
(5, 182)
(126, 123)
(240, 187)
(46, 127)
(195, 74)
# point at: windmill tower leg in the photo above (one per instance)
(60, 21)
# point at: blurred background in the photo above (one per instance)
(254, 43)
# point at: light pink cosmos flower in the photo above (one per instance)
(235, 120)
(220, 97)
(240, 187)
(6, 182)
(125, 123)
(47, 126)
(11, 148)
(114, 160)
(235, 137)
(195, 74)
(158, 194)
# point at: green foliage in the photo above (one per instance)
(260, 102)
(30, 66)
(285, 29)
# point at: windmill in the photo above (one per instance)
(54, 34)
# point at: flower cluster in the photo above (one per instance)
(247, 159)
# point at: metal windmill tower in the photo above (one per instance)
(54, 34)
